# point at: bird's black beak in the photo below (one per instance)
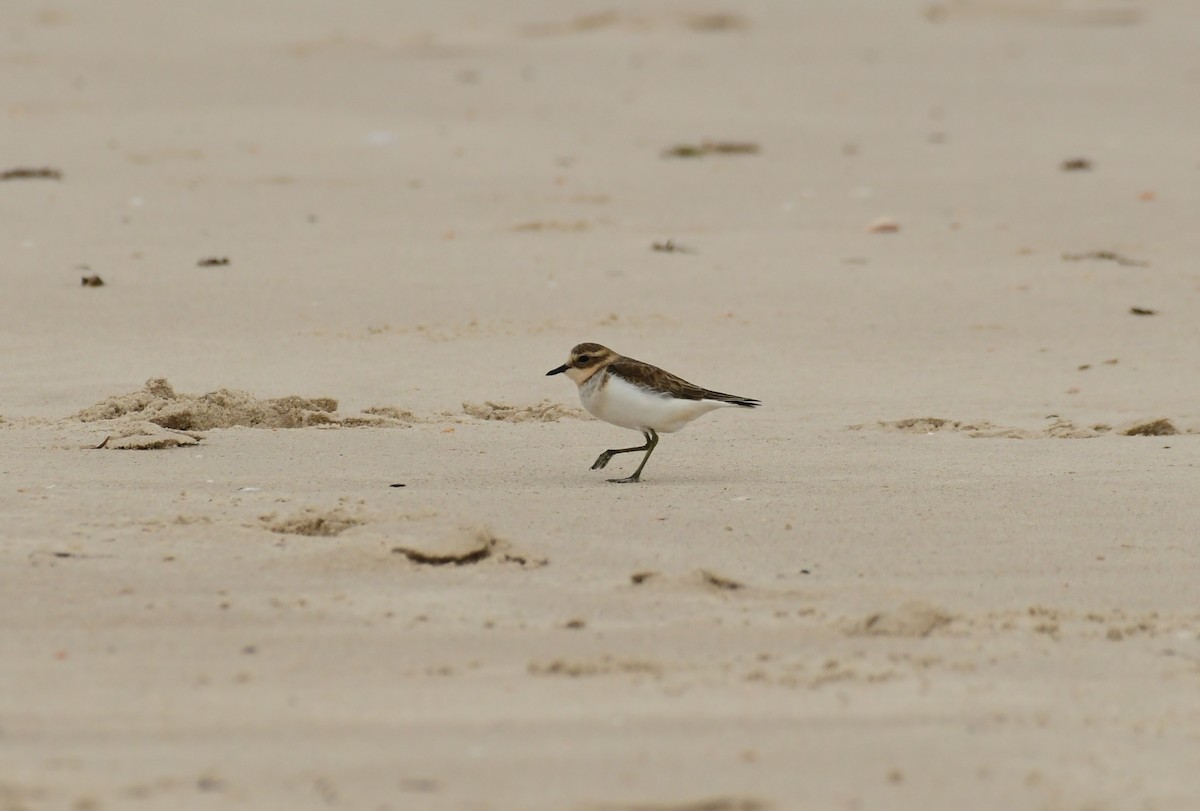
(557, 371)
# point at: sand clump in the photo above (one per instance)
(696, 580)
(159, 404)
(142, 435)
(313, 523)
(706, 804)
(913, 619)
(1059, 429)
(389, 413)
(545, 411)
(922, 425)
(1161, 427)
(1065, 429)
(156, 416)
(603, 666)
(981, 429)
(719, 582)
(462, 546)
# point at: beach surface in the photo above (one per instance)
(294, 519)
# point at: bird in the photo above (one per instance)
(636, 395)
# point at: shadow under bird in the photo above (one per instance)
(636, 395)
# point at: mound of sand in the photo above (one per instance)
(1161, 427)
(313, 522)
(390, 413)
(545, 411)
(1059, 429)
(933, 425)
(158, 403)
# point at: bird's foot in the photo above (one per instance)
(602, 460)
(626, 480)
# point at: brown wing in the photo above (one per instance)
(643, 374)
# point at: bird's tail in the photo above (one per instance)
(732, 399)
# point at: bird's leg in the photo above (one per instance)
(651, 443)
(603, 459)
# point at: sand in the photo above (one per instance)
(293, 518)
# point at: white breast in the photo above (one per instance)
(617, 401)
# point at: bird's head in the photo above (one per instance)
(585, 360)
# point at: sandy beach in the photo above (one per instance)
(293, 517)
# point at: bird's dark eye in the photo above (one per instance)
(582, 360)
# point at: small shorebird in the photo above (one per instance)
(632, 394)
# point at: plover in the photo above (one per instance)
(636, 395)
